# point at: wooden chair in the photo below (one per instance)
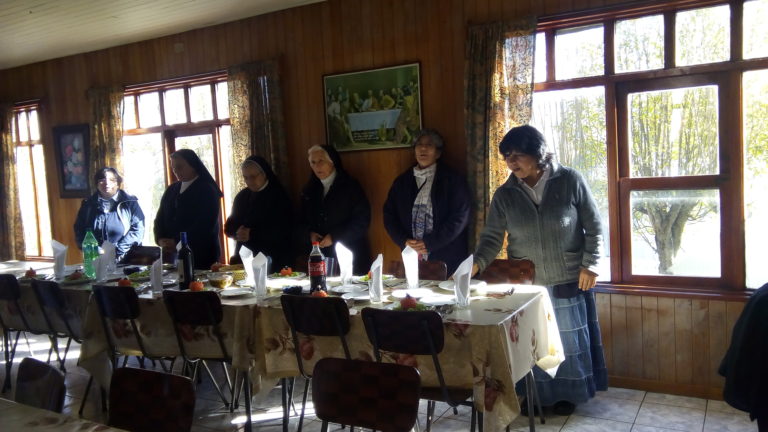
(383, 396)
(313, 316)
(141, 255)
(428, 270)
(40, 385)
(203, 308)
(10, 292)
(121, 303)
(53, 304)
(146, 400)
(417, 333)
(516, 271)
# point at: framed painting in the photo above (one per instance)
(71, 145)
(373, 109)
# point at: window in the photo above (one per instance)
(641, 101)
(162, 118)
(30, 176)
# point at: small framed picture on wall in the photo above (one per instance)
(72, 143)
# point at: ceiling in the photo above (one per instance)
(37, 30)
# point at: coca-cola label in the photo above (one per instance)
(317, 268)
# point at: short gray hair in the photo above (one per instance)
(433, 135)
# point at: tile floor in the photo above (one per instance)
(616, 410)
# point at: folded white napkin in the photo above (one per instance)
(246, 255)
(156, 275)
(260, 268)
(108, 255)
(411, 264)
(59, 259)
(375, 284)
(100, 265)
(345, 258)
(461, 278)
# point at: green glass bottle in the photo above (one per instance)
(90, 253)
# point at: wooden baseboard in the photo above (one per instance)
(693, 390)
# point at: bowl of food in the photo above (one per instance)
(220, 280)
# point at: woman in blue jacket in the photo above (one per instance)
(111, 213)
(427, 207)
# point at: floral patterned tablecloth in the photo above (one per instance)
(19, 417)
(488, 347)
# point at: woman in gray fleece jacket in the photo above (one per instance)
(550, 218)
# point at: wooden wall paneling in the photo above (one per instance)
(650, 338)
(683, 341)
(634, 310)
(603, 306)
(619, 334)
(718, 330)
(700, 341)
(666, 313)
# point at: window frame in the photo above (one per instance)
(169, 132)
(729, 181)
(24, 109)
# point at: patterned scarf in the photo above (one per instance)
(421, 215)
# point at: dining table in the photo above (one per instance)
(489, 345)
(20, 417)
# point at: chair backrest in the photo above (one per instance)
(9, 288)
(10, 291)
(316, 316)
(519, 271)
(40, 385)
(141, 255)
(406, 332)
(117, 302)
(51, 299)
(195, 308)
(428, 270)
(146, 400)
(382, 396)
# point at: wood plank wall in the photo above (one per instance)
(310, 41)
(663, 344)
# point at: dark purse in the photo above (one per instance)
(566, 290)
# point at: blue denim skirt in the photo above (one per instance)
(583, 372)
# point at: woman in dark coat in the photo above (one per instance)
(111, 213)
(261, 215)
(427, 207)
(334, 208)
(190, 205)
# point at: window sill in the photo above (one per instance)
(675, 292)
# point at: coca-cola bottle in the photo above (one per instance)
(316, 269)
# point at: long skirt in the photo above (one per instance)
(583, 372)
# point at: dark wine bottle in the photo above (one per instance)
(185, 263)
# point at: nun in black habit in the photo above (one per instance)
(190, 205)
(261, 217)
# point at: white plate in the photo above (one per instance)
(415, 293)
(294, 275)
(234, 292)
(343, 289)
(473, 285)
(357, 296)
(243, 283)
(364, 279)
(438, 300)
